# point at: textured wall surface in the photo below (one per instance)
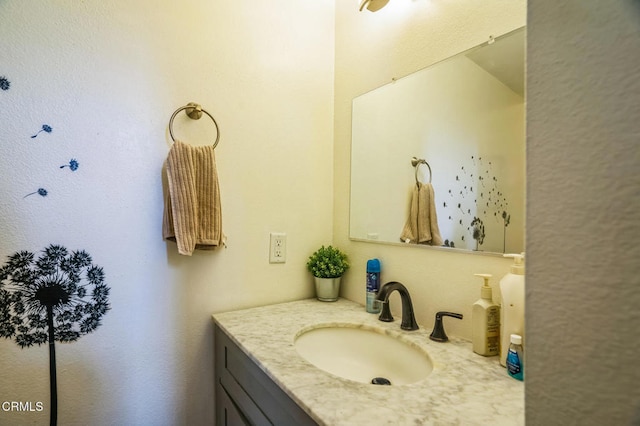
(105, 77)
(583, 273)
(371, 49)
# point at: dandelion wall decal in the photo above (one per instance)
(58, 297)
(73, 165)
(4, 83)
(478, 231)
(45, 128)
(476, 188)
(41, 191)
(506, 217)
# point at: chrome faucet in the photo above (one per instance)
(408, 319)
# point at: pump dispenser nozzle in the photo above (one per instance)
(485, 291)
(518, 263)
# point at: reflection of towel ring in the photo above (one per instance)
(415, 162)
(194, 111)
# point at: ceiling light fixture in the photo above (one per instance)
(373, 5)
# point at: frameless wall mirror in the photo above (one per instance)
(465, 116)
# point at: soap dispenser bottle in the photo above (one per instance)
(485, 318)
(512, 312)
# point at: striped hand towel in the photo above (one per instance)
(422, 224)
(192, 211)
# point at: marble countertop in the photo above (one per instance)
(463, 388)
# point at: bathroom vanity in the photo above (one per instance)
(262, 379)
(247, 395)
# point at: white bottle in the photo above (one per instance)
(512, 312)
(485, 318)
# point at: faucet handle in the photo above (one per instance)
(438, 333)
(385, 312)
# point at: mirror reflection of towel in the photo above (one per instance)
(422, 224)
(192, 211)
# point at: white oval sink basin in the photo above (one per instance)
(362, 354)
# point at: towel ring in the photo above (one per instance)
(194, 111)
(415, 162)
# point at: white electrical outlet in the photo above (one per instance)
(278, 247)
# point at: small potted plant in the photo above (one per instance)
(327, 265)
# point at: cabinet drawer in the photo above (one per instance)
(230, 414)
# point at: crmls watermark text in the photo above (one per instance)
(22, 406)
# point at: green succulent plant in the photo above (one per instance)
(328, 262)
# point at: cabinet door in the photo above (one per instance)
(259, 400)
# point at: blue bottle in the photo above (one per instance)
(373, 285)
(515, 359)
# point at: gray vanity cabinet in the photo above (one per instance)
(245, 395)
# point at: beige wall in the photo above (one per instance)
(371, 50)
(583, 285)
(107, 76)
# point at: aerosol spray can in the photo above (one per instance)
(373, 285)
